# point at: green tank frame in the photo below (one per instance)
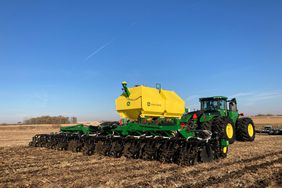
(132, 128)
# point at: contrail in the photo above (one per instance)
(107, 44)
(98, 50)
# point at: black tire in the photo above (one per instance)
(244, 131)
(190, 125)
(206, 125)
(207, 154)
(87, 150)
(221, 125)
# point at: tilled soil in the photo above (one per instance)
(256, 164)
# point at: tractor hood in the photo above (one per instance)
(201, 116)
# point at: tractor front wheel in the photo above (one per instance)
(245, 129)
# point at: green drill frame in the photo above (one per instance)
(133, 128)
(80, 129)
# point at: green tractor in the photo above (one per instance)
(215, 116)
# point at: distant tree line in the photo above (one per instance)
(51, 120)
(268, 115)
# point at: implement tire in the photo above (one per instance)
(225, 128)
(245, 129)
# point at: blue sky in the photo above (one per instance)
(69, 57)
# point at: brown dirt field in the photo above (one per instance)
(17, 135)
(256, 164)
(261, 121)
(248, 164)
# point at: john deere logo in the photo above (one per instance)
(128, 103)
(153, 104)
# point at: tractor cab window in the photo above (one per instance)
(211, 105)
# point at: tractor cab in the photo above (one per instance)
(211, 104)
(218, 103)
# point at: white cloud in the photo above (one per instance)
(260, 102)
(262, 97)
(243, 94)
(258, 96)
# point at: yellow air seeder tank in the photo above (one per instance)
(142, 101)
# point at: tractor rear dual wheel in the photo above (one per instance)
(245, 129)
(206, 125)
(225, 128)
